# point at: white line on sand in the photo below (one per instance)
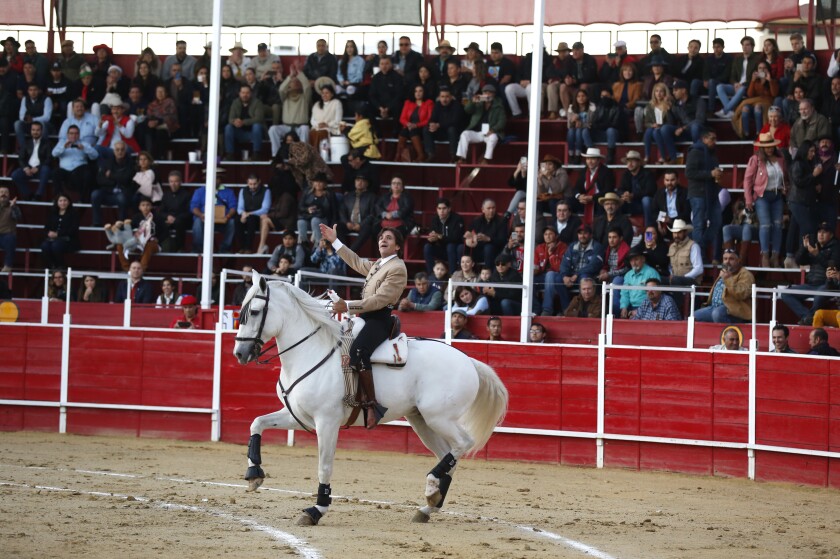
(539, 532)
(300, 546)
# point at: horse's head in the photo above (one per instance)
(255, 326)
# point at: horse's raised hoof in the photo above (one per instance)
(420, 517)
(310, 517)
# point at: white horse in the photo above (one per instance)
(452, 401)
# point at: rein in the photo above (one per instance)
(258, 350)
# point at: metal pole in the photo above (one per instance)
(212, 149)
(447, 316)
(45, 300)
(534, 102)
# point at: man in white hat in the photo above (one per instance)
(595, 181)
(181, 57)
(237, 61)
(637, 188)
(611, 68)
(684, 254)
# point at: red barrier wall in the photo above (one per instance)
(671, 393)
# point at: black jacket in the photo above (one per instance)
(451, 116)
(584, 72)
(698, 170)
(122, 174)
(660, 204)
(142, 294)
(605, 180)
(511, 276)
(67, 226)
(315, 68)
(452, 231)
(386, 90)
(601, 228)
(607, 115)
(830, 252)
(176, 204)
(44, 152)
(325, 206)
(695, 71)
(413, 61)
(643, 184)
(405, 207)
(367, 207)
(496, 229)
(569, 233)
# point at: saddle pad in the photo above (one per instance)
(393, 353)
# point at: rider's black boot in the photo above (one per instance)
(374, 411)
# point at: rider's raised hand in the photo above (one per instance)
(329, 233)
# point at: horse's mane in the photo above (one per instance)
(311, 307)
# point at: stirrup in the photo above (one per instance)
(378, 412)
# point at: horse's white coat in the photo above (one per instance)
(452, 401)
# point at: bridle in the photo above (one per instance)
(257, 351)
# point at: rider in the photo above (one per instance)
(385, 282)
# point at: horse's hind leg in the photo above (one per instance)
(440, 447)
(277, 420)
(457, 441)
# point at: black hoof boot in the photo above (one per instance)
(310, 517)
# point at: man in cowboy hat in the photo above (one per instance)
(181, 57)
(237, 61)
(557, 74)
(445, 52)
(385, 281)
(71, 61)
(596, 180)
(637, 188)
(638, 275)
(321, 63)
(114, 128)
(684, 254)
(552, 184)
(611, 219)
(406, 60)
(487, 123)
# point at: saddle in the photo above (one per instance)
(393, 352)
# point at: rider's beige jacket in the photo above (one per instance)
(384, 284)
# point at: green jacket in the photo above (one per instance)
(256, 110)
(497, 118)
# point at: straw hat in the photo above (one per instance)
(238, 45)
(609, 197)
(444, 44)
(593, 152)
(766, 140)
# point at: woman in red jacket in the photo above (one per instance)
(415, 116)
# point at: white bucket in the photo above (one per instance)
(339, 145)
(193, 157)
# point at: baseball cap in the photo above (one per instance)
(619, 44)
(188, 300)
(262, 46)
(56, 66)
(825, 226)
(462, 312)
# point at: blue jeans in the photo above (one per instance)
(729, 97)
(484, 253)
(234, 135)
(576, 138)
(770, 209)
(695, 87)
(553, 283)
(717, 314)
(8, 243)
(655, 135)
(743, 233)
(21, 180)
(669, 132)
(795, 302)
(511, 307)
(610, 135)
(706, 209)
(228, 230)
(713, 84)
(755, 113)
(616, 307)
(109, 198)
(643, 207)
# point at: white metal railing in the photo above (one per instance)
(610, 290)
(450, 290)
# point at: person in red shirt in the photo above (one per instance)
(415, 117)
(189, 319)
(548, 256)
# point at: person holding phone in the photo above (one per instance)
(188, 320)
(820, 256)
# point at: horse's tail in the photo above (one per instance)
(489, 407)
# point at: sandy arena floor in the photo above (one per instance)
(92, 497)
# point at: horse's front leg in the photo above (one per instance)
(327, 441)
(278, 420)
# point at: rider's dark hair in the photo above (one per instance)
(397, 236)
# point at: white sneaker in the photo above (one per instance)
(720, 114)
(263, 250)
(6, 269)
(729, 115)
(562, 113)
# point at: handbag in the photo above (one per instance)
(219, 214)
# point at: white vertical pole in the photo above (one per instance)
(69, 290)
(216, 416)
(610, 317)
(65, 373)
(127, 302)
(753, 347)
(212, 152)
(773, 320)
(602, 364)
(45, 300)
(689, 338)
(447, 316)
(534, 102)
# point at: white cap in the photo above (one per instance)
(618, 44)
